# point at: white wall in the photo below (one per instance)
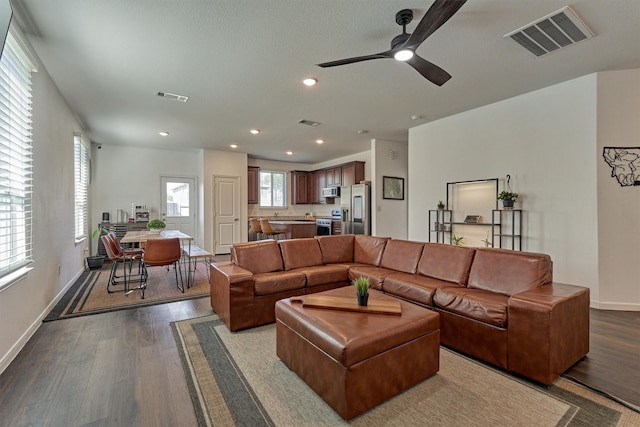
(125, 175)
(24, 304)
(546, 141)
(390, 217)
(618, 207)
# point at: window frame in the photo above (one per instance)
(81, 170)
(16, 184)
(261, 188)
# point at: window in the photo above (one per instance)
(273, 189)
(81, 179)
(15, 162)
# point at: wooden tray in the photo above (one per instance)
(349, 304)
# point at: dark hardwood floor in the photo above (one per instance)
(123, 369)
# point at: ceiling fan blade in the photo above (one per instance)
(439, 13)
(430, 71)
(380, 55)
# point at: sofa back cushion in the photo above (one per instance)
(258, 257)
(509, 272)
(337, 248)
(368, 249)
(298, 253)
(446, 262)
(401, 255)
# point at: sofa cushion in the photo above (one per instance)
(413, 287)
(375, 275)
(280, 281)
(368, 249)
(325, 274)
(483, 306)
(298, 253)
(509, 272)
(401, 255)
(337, 248)
(446, 262)
(258, 257)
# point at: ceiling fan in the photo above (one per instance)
(403, 46)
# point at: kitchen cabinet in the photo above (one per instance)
(253, 181)
(299, 187)
(352, 173)
(336, 227)
(314, 188)
(334, 177)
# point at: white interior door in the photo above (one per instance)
(226, 212)
(178, 204)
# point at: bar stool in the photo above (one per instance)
(254, 227)
(270, 232)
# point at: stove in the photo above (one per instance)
(324, 225)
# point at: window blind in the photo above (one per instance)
(15, 159)
(81, 178)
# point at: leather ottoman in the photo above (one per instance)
(356, 360)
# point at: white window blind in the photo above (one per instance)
(15, 160)
(81, 178)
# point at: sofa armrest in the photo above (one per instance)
(548, 330)
(232, 295)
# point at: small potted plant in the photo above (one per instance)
(457, 240)
(362, 290)
(508, 199)
(440, 205)
(156, 225)
(96, 261)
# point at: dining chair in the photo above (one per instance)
(254, 227)
(118, 255)
(161, 252)
(270, 232)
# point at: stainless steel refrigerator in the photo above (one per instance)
(355, 205)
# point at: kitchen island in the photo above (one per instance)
(293, 228)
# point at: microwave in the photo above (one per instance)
(331, 192)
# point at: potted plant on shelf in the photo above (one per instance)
(96, 261)
(508, 199)
(457, 240)
(156, 225)
(362, 290)
(440, 205)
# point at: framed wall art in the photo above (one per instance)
(392, 188)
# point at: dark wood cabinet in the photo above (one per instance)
(299, 187)
(334, 177)
(352, 173)
(314, 190)
(336, 227)
(253, 181)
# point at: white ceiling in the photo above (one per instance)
(241, 64)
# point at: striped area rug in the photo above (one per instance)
(236, 379)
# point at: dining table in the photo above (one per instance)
(141, 236)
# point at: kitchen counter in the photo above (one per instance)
(295, 228)
(293, 221)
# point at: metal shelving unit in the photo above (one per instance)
(506, 227)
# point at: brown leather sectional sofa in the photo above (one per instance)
(496, 305)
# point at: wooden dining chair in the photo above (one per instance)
(268, 231)
(162, 252)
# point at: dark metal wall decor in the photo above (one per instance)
(625, 164)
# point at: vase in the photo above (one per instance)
(363, 299)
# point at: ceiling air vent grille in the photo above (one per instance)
(552, 32)
(308, 122)
(173, 96)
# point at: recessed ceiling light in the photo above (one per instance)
(362, 132)
(234, 146)
(310, 81)
(289, 153)
(163, 133)
(255, 131)
(319, 141)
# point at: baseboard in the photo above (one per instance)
(615, 306)
(31, 330)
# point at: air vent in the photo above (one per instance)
(555, 31)
(308, 122)
(173, 96)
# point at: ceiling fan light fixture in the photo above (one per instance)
(403, 55)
